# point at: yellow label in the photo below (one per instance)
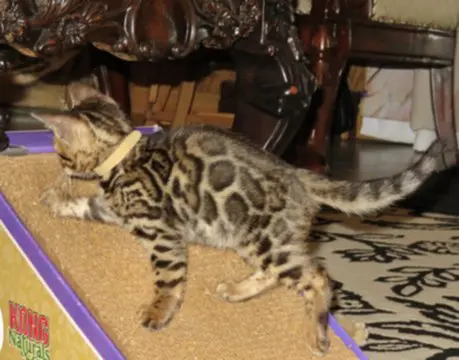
(33, 324)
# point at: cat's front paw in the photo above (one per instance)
(53, 199)
(158, 314)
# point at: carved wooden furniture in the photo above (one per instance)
(273, 82)
(415, 33)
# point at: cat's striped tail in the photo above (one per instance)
(373, 195)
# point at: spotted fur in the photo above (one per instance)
(199, 184)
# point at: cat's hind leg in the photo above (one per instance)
(283, 258)
(311, 281)
(168, 256)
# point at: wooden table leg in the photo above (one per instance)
(327, 46)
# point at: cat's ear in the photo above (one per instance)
(63, 126)
(78, 92)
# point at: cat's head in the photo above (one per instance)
(88, 132)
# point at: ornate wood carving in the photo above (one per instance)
(226, 21)
(130, 29)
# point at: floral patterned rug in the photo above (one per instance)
(399, 273)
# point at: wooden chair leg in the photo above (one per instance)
(327, 46)
(312, 149)
(442, 89)
(323, 123)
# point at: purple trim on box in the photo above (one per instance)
(41, 141)
(346, 338)
(58, 285)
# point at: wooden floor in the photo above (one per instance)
(361, 160)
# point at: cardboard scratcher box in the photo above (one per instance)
(72, 290)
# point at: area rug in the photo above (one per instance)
(399, 273)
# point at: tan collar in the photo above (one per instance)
(119, 154)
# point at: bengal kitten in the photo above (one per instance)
(204, 185)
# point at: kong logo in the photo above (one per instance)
(28, 332)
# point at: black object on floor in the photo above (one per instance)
(439, 194)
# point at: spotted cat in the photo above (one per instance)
(200, 184)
